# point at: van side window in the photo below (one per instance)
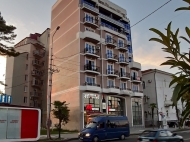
(111, 124)
(108, 124)
(101, 125)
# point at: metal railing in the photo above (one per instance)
(90, 6)
(112, 72)
(124, 74)
(90, 51)
(110, 41)
(92, 84)
(111, 86)
(91, 68)
(111, 20)
(91, 20)
(111, 56)
(38, 53)
(122, 46)
(137, 78)
(123, 59)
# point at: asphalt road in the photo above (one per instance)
(133, 138)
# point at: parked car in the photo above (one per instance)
(103, 128)
(159, 136)
(172, 123)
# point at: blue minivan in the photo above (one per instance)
(105, 128)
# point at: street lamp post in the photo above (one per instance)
(51, 70)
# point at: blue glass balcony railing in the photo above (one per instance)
(90, 6)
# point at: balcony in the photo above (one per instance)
(128, 42)
(91, 52)
(123, 61)
(111, 57)
(112, 73)
(124, 75)
(91, 22)
(35, 94)
(113, 89)
(37, 53)
(137, 93)
(37, 83)
(90, 36)
(37, 73)
(122, 47)
(125, 92)
(135, 65)
(91, 87)
(92, 69)
(136, 79)
(37, 63)
(168, 103)
(107, 18)
(89, 7)
(111, 42)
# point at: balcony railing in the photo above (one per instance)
(110, 41)
(91, 20)
(124, 74)
(37, 63)
(38, 53)
(111, 56)
(137, 78)
(111, 86)
(91, 84)
(37, 73)
(37, 83)
(92, 51)
(91, 68)
(112, 72)
(138, 91)
(123, 60)
(35, 94)
(111, 20)
(122, 46)
(123, 88)
(90, 6)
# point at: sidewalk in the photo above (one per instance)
(133, 131)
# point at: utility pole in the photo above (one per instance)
(51, 71)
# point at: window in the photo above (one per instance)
(163, 134)
(25, 99)
(137, 111)
(120, 43)
(110, 69)
(25, 88)
(122, 72)
(134, 75)
(109, 38)
(90, 65)
(89, 29)
(27, 57)
(110, 83)
(26, 66)
(135, 88)
(89, 18)
(26, 77)
(143, 84)
(123, 85)
(101, 125)
(90, 80)
(89, 48)
(121, 57)
(109, 53)
(169, 133)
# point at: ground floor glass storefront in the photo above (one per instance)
(137, 111)
(116, 106)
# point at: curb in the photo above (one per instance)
(63, 140)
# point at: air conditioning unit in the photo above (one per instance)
(149, 81)
(97, 17)
(98, 47)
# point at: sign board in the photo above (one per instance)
(19, 124)
(4, 98)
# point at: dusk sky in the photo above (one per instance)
(30, 16)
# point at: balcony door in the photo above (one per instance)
(90, 80)
(90, 48)
(135, 88)
(122, 71)
(109, 53)
(123, 85)
(110, 69)
(134, 75)
(89, 18)
(108, 38)
(90, 64)
(121, 57)
(110, 83)
(120, 42)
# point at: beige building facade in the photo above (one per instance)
(26, 75)
(93, 51)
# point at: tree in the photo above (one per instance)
(179, 60)
(152, 107)
(7, 36)
(61, 112)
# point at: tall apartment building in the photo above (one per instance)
(93, 50)
(26, 75)
(156, 90)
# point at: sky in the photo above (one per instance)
(31, 16)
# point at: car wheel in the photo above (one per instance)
(95, 139)
(122, 137)
(181, 140)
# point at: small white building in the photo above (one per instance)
(156, 90)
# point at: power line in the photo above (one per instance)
(151, 13)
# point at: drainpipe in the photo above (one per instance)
(156, 92)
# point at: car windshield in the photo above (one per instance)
(149, 134)
(91, 125)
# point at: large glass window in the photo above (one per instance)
(116, 106)
(90, 80)
(89, 48)
(137, 111)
